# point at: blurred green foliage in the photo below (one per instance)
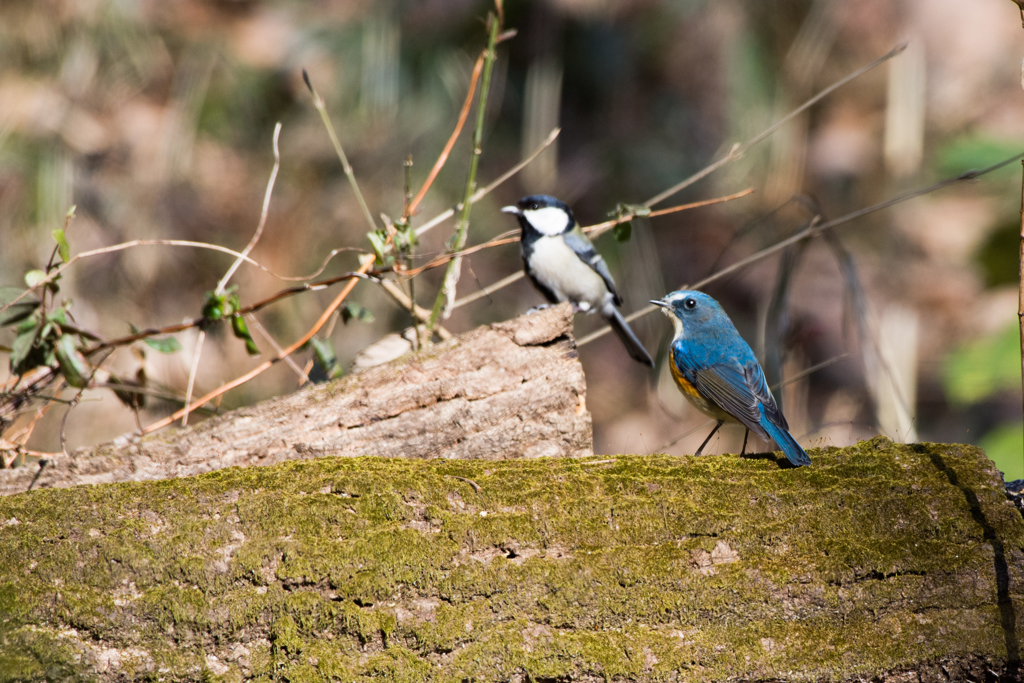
(974, 152)
(979, 370)
(984, 367)
(999, 255)
(1004, 445)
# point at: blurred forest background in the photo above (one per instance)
(156, 120)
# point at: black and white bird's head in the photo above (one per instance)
(543, 214)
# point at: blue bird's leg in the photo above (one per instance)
(746, 433)
(701, 449)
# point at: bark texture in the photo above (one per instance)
(879, 562)
(509, 390)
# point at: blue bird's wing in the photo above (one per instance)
(741, 390)
(582, 247)
(730, 388)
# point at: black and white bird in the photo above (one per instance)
(564, 266)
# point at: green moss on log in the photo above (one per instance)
(878, 557)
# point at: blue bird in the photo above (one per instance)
(719, 374)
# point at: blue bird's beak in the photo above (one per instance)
(659, 302)
(512, 210)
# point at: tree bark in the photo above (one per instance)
(470, 559)
(509, 390)
(879, 562)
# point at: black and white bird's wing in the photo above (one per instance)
(582, 247)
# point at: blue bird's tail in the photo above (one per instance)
(786, 442)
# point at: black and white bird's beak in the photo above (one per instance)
(659, 302)
(514, 210)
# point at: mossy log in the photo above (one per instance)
(509, 390)
(879, 562)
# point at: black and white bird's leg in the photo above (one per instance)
(701, 449)
(537, 309)
(746, 433)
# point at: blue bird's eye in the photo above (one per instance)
(690, 303)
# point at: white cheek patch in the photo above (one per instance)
(549, 221)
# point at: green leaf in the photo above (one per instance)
(22, 345)
(34, 277)
(17, 312)
(323, 350)
(163, 344)
(72, 363)
(9, 294)
(351, 311)
(58, 316)
(623, 231)
(214, 305)
(63, 248)
(241, 330)
(377, 243)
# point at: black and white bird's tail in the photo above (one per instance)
(636, 350)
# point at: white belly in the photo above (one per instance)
(559, 269)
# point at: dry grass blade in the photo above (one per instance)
(263, 213)
(321, 109)
(192, 376)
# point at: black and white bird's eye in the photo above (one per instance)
(534, 206)
(690, 303)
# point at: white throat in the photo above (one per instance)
(677, 324)
(549, 221)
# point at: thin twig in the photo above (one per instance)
(1020, 299)
(445, 297)
(303, 377)
(324, 317)
(476, 486)
(263, 214)
(139, 243)
(443, 157)
(234, 266)
(252, 308)
(739, 150)
(481, 193)
(813, 229)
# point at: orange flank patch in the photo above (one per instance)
(682, 381)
